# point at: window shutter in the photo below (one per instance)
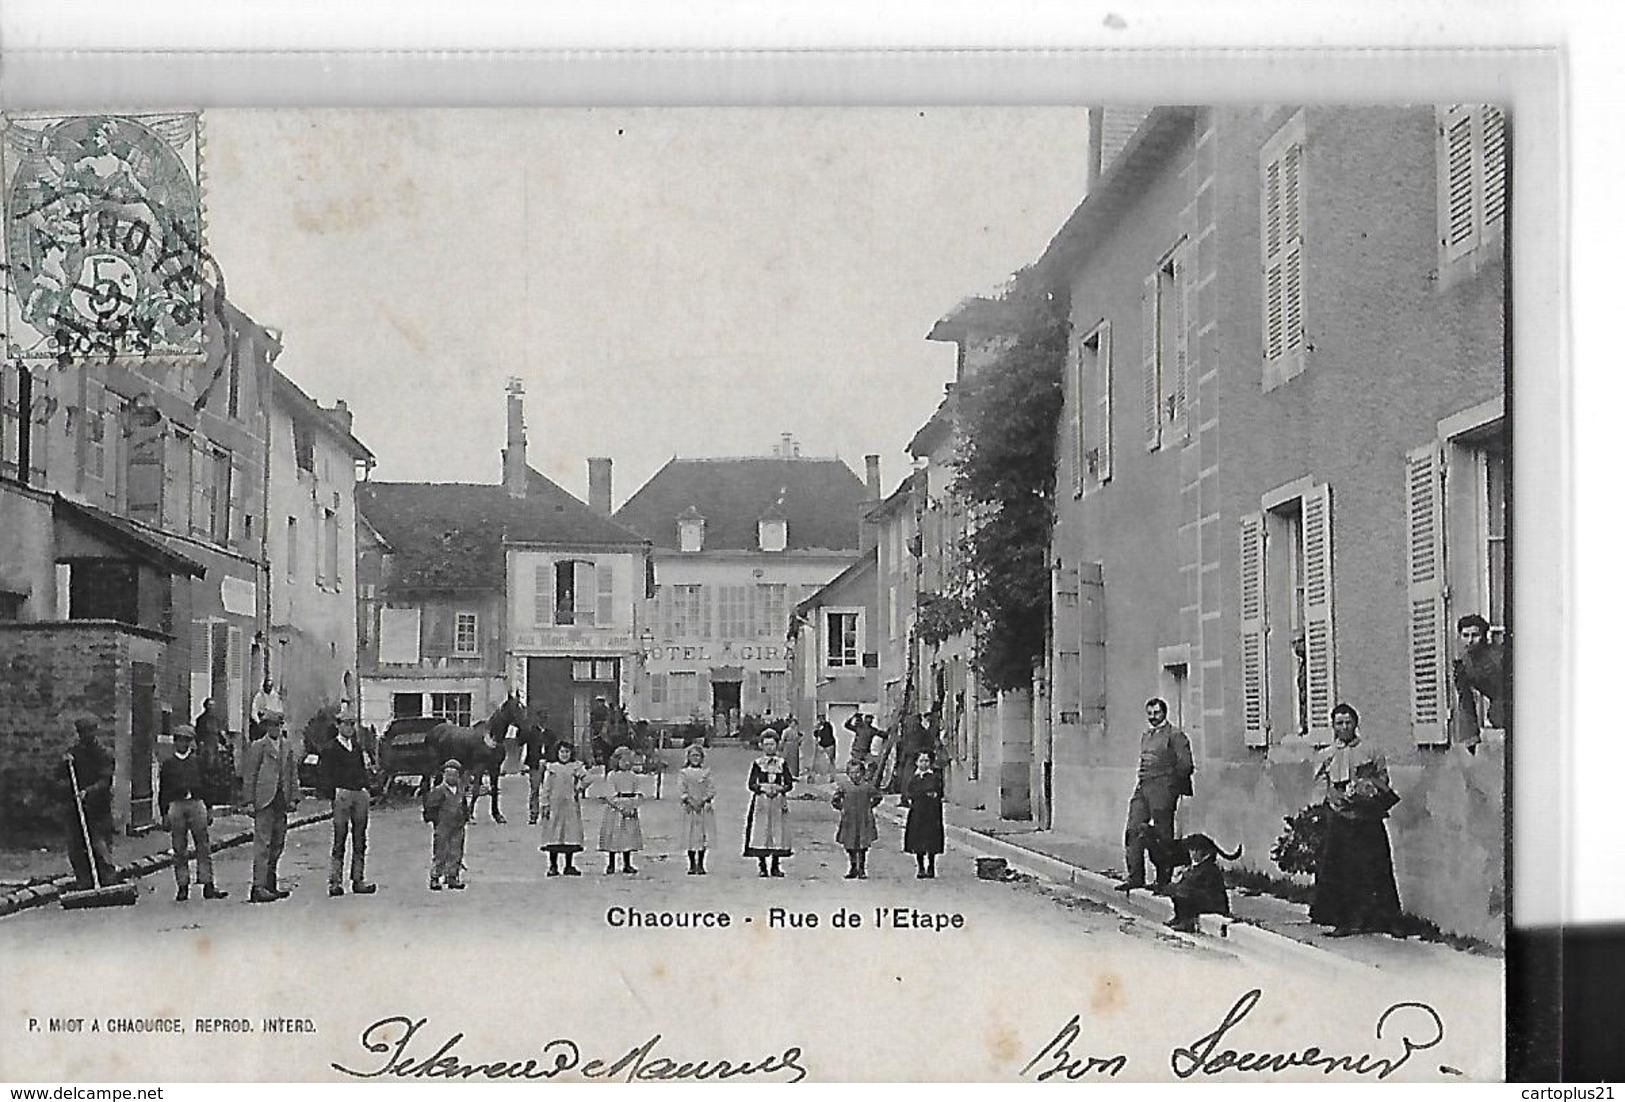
(1080, 404)
(586, 594)
(1493, 141)
(753, 690)
(1179, 382)
(1458, 220)
(544, 593)
(1270, 242)
(1292, 248)
(606, 593)
(1254, 698)
(1424, 582)
(1320, 652)
(235, 677)
(202, 639)
(702, 599)
(1103, 427)
(1149, 356)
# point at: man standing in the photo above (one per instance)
(344, 775)
(92, 772)
(537, 741)
(265, 703)
(824, 739)
(181, 788)
(1483, 670)
(1164, 776)
(271, 768)
(863, 735)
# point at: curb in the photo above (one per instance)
(1257, 941)
(40, 894)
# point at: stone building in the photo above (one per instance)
(1283, 470)
(737, 544)
(827, 630)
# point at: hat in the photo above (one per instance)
(87, 725)
(451, 763)
(183, 730)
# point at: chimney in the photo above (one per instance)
(514, 469)
(871, 475)
(599, 485)
(786, 445)
(341, 410)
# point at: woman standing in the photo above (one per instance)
(621, 830)
(767, 824)
(1354, 876)
(563, 783)
(699, 791)
(922, 834)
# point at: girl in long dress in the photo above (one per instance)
(621, 831)
(1354, 874)
(856, 797)
(767, 824)
(699, 792)
(922, 834)
(563, 782)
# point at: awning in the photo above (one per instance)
(126, 534)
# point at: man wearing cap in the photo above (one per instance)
(186, 814)
(271, 772)
(343, 774)
(92, 770)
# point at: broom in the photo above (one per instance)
(100, 895)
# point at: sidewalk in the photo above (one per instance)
(31, 878)
(1261, 925)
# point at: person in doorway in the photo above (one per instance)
(266, 702)
(186, 815)
(272, 769)
(1164, 776)
(1355, 890)
(89, 782)
(699, 793)
(562, 788)
(447, 807)
(923, 833)
(767, 823)
(621, 829)
(1483, 682)
(856, 797)
(344, 773)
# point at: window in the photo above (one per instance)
(293, 549)
(733, 612)
(202, 482)
(103, 589)
(594, 669)
(330, 547)
(1281, 242)
(234, 376)
(455, 708)
(399, 636)
(406, 704)
(772, 618)
(221, 498)
(1092, 410)
(842, 639)
(1162, 314)
(11, 419)
(467, 639)
(690, 612)
(1471, 156)
(575, 593)
(685, 692)
(771, 535)
(657, 689)
(304, 447)
(774, 684)
(691, 533)
(1288, 654)
(95, 430)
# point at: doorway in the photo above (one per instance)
(725, 703)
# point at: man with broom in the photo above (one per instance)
(87, 774)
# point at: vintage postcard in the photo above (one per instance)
(1008, 593)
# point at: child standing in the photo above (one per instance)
(621, 832)
(699, 791)
(767, 823)
(563, 781)
(856, 796)
(922, 834)
(447, 807)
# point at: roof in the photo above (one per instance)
(893, 501)
(938, 425)
(820, 500)
(125, 533)
(286, 390)
(977, 314)
(451, 535)
(866, 565)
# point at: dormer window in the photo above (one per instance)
(691, 530)
(771, 535)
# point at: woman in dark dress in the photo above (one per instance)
(922, 835)
(1354, 877)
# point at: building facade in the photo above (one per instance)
(831, 676)
(312, 552)
(1283, 470)
(737, 545)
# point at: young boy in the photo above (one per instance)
(1199, 889)
(447, 807)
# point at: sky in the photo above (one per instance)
(688, 282)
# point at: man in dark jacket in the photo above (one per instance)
(1164, 776)
(538, 742)
(92, 769)
(344, 774)
(1482, 673)
(181, 788)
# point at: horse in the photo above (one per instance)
(479, 754)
